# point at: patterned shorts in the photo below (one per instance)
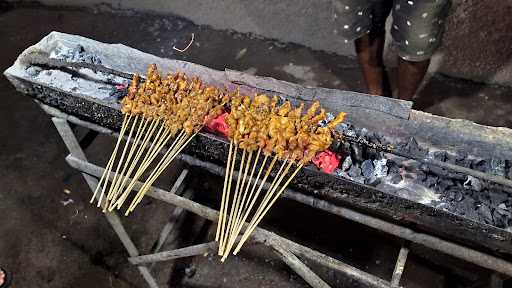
(417, 24)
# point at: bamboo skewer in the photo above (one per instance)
(179, 143)
(250, 229)
(147, 137)
(243, 204)
(235, 199)
(252, 199)
(237, 203)
(114, 154)
(177, 149)
(275, 183)
(228, 192)
(155, 147)
(223, 199)
(120, 161)
(234, 228)
(138, 135)
(112, 157)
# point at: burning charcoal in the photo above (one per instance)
(485, 214)
(502, 209)
(431, 181)
(367, 168)
(459, 197)
(373, 181)
(438, 170)
(481, 165)
(457, 176)
(438, 155)
(354, 171)
(420, 177)
(393, 168)
(359, 179)
(500, 220)
(381, 168)
(461, 155)
(473, 183)
(395, 178)
(374, 138)
(497, 197)
(414, 149)
(363, 132)
(497, 167)
(464, 163)
(357, 153)
(444, 184)
(346, 164)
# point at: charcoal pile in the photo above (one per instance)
(439, 187)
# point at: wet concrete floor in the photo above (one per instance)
(51, 237)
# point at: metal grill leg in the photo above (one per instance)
(74, 148)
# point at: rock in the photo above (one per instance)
(367, 168)
(354, 171)
(381, 168)
(347, 163)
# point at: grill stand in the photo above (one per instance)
(286, 249)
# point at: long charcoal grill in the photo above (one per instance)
(76, 80)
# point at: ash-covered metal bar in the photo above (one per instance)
(87, 96)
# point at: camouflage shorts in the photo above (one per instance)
(417, 27)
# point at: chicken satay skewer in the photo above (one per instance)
(158, 141)
(149, 159)
(179, 147)
(145, 141)
(237, 203)
(252, 197)
(223, 199)
(275, 183)
(164, 162)
(249, 231)
(120, 160)
(250, 183)
(226, 204)
(106, 172)
(114, 185)
(234, 200)
(241, 208)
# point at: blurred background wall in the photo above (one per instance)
(477, 44)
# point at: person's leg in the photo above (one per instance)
(410, 75)
(363, 21)
(369, 49)
(417, 29)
